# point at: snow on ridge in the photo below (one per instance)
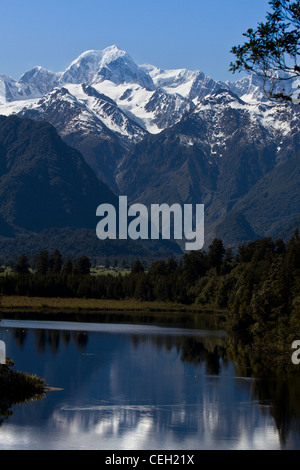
(93, 59)
(152, 97)
(112, 64)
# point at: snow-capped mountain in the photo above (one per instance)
(216, 154)
(88, 121)
(254, 88)
(145, 93)
(192, 85)
(12, 90)
(113, 64)
(154, 98)
(102, 104)
(105, 92)
(33, 84)
(220, 129)
(162, 135)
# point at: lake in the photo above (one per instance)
(142, 387)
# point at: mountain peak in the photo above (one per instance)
(111, 63)
(38, 73)
(98, 57)
(113, 52)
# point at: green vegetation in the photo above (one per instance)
(257, 288)
(273, 47)
(20, 386)
(17, 387)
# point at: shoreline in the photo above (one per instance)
(19, 303)
(111, 311)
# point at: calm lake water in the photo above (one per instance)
(139, 387)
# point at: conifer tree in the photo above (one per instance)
(272, 49)
(67, 268)
(82, 266)
(56, 262)
(22, 266)
(43, 262)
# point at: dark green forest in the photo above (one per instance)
(257, 287)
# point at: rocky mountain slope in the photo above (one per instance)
(43, 181)
(172, 136)
(49, 196)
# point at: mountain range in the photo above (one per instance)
(158, 136)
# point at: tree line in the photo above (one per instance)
(258, 285)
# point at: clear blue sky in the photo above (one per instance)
(195, 34)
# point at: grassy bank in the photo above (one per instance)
(18, 387)
(75, 304)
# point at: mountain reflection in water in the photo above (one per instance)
(143, 387)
